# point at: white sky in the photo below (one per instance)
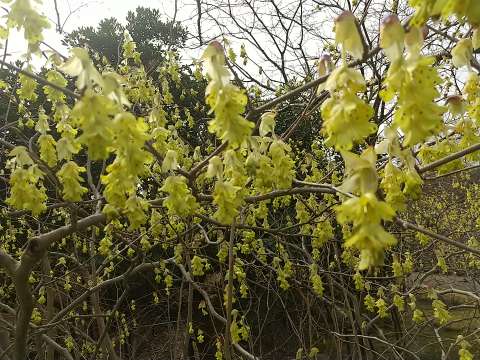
(264, 48)
(85, 13)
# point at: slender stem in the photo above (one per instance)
(109, 320)
(228, 335)
(442, 238)
(211, 308)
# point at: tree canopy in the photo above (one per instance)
(151, 35)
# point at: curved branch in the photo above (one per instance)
(39, 244)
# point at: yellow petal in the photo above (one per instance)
(347, 34)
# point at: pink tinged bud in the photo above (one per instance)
(324, 67)
(217, 45)
(214, 58)
(392, 36)
(324, 64)
(345, 16)
(414, 40)
(214, 52)
(389, 20)
(347, 34)
(455, 105)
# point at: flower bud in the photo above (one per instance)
(425, 32)
(392, 36)
(324, 65)
(217, 45)
(170, 161)
(214, 57)
(251, 164)
(414, 40)
(455, 105)
(347, 34)
(215, 167)
(267, 124)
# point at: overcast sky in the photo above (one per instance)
(76, 13)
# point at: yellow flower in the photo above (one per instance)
(214, 58)
(476, 39)
(456, 105)
(347, 34)
(462, 53)
(392, 36)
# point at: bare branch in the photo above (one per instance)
(40, 79)
(8, 263)
(449, 158)
(442, 238)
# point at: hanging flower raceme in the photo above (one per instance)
(123, 175)
(225, 99)
(23, 16)
(180, 201)
(346, 122)
(392, 36)
(365, 213)
(230, 185)
(26, 175)
(345, 115)
(80, 66)
(348, 36)
(414, 82)
(472, 93)
(71, 180)
(398, 183)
